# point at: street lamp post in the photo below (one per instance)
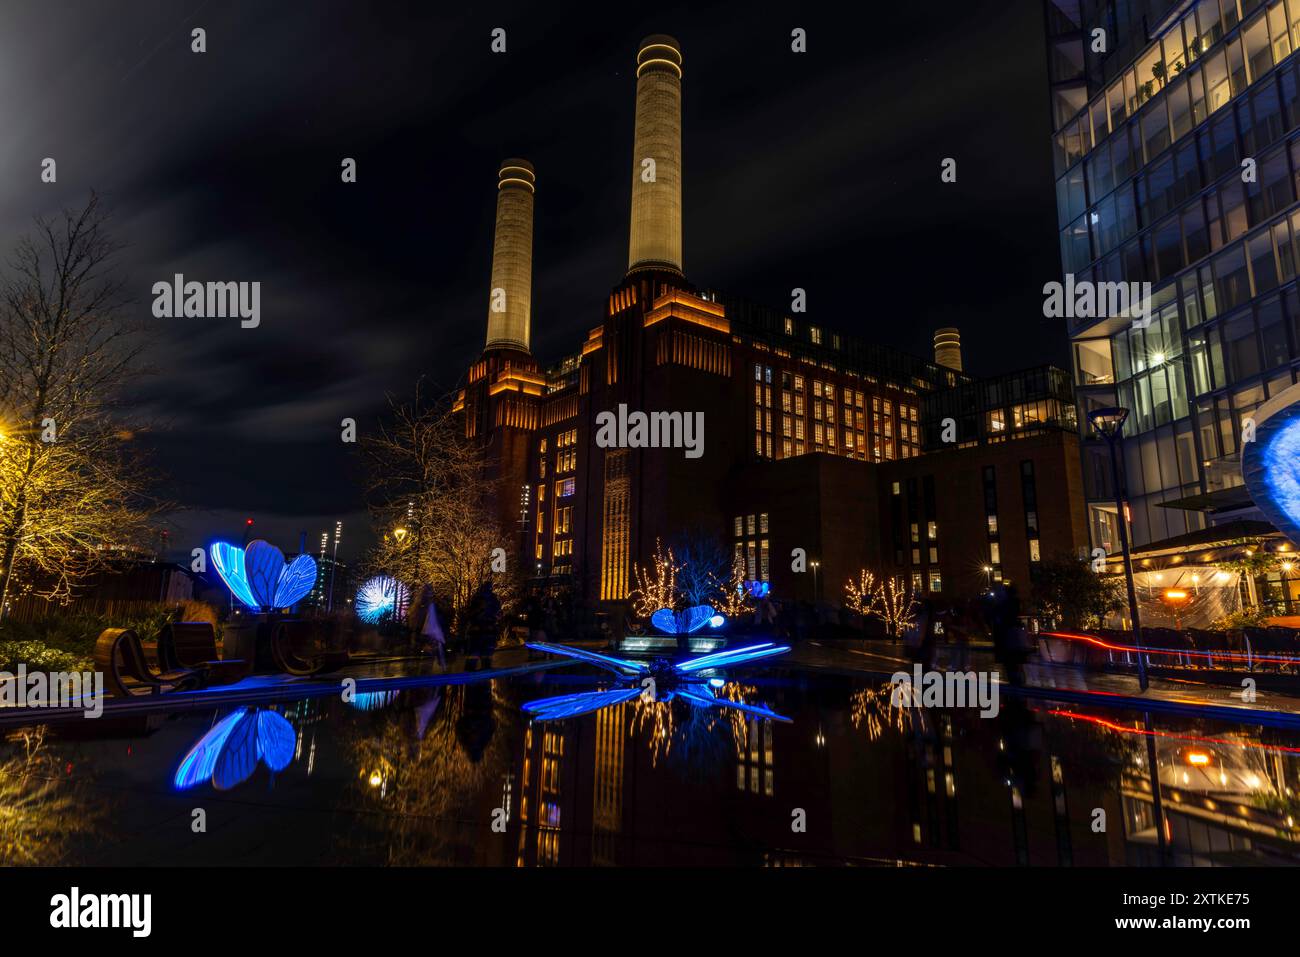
(334, 562)
(1109, 422)
(988, 571)
(815, 565)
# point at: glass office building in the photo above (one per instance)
(1177, 160)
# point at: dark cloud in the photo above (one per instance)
(818, 170)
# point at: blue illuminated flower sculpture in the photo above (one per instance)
(660, 678)
(258, 576)
(228, 754)
(685, 622)
(379, 596)
(1270, 465)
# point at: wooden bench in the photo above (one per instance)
(296, 649)
(119, 656)
(193, 645)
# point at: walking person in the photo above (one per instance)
(482, 625)
(429, 626)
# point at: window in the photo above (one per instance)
(1034, 553)
(932, 530)
(565, 487)
(936, 580)
(995, 553)
(815, 334)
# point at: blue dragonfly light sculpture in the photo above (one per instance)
(660, 678)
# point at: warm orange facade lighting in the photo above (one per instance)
(681, 305)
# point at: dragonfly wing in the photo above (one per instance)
(571, 705)
(733, 656)
(617, 665)
(694, 697)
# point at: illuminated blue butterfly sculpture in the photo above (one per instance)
(1270, 465)
(659, 678)
(228, 754)
(258, 576)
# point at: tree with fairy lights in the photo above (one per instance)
(72, 486)
(863, 595)
(655, 587)
(897, 603)
(733, 597)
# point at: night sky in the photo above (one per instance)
(818, 170)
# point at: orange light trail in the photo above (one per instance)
(1234, 655)
(1199, 739)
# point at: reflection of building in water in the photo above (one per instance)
(1226, 800)
(882, 785)
(754, 757)
(540, 809)
(607, 804)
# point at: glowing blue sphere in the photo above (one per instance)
(380, 596)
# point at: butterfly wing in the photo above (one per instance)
(295, 581)
(228, 560)
(665, 621)
(263, 563)
(197, 766)
(237, 758)
(696, 618)
(276, 740)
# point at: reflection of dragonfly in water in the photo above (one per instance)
(659, 679)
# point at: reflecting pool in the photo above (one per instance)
(460, 775)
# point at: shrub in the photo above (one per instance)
(64, 642)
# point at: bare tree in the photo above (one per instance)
(431, 506)
(71, 492)
(703, 567)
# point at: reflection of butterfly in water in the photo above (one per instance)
(662, 678)
(228, 754)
